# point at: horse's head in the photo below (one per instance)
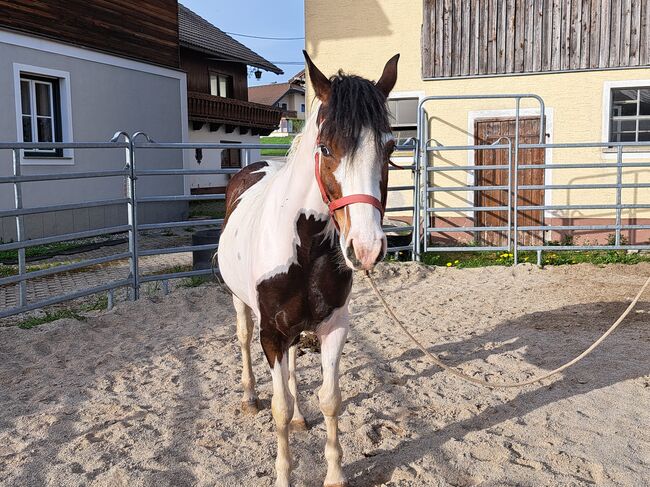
(354, 146)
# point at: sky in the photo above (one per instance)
(264, 18)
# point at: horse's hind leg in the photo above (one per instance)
(332, 335)
(298, 420)
(250, 403)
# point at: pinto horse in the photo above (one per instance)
(293, 234)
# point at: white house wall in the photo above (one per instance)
(107, 93)
(212, 157)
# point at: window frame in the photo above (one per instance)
(55, 114)
(230, 165)
(229, 83)
(613, 119)
(61, 81)
(609, 152)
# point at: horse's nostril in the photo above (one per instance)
(380, 257)
(351, 255)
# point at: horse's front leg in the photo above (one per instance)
(281, 404)
(332, 335)
(298, 420)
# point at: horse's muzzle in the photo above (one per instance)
(365, 255)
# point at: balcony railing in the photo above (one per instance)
(215, 109)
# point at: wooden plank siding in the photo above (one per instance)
(146, 30)
(493, 37)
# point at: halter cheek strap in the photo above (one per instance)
(338, 203)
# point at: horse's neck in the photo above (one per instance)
(297, 178)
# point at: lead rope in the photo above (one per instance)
(504, 385)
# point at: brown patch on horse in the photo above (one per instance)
(239, 183)
(304, 295)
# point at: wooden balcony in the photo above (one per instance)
(215, 110)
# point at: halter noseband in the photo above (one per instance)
(338, 203)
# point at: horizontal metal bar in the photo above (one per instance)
(389, 229)
(63, 145)
(580, 145)
(63, 268)
(442, 148)
(181, 172)
(467, 249)
(583, 207)
(177, 250)
(465, 229)
(585, 227)
(73, 206)
(584, 247)
(466, 188)
(185, 223)
(64, 237)
(465, 168)
(401, 188)
(585, 165)
(468, 208)
(194, 197)
(66, 297)
(397, 249)
(196, 145)
(584, 186)
(399, 208)
(549, 228)
(65, 176)
(175, 275)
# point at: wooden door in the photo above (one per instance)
(488, 132)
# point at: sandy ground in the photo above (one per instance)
(148, 394)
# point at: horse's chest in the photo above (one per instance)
(310, 289)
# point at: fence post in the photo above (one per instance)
(619, 196)
(20, 229)
(132, 213)
(133, 220)
(516, 187)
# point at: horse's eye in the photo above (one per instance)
(325, 151)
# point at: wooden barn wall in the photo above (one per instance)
(484, 37)
(146, 30)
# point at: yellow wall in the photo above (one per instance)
(361, 35)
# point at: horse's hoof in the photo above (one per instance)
(298, 425)
(251, 407)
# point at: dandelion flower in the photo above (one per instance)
(449, 264)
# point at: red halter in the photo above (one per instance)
(333, 205)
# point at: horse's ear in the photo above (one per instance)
(322, 85)
(389, 76)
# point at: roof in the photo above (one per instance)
(271, 94)
(194, 32)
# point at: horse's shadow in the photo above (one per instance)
(546, 340)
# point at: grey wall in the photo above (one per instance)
(104, 99)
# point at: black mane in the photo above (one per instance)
(354, 103)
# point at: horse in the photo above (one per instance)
(293, 235)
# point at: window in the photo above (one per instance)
(630, 115)
(302, 108)
(230, 158)
(283, 106)
(220, 85)
(40, 110)
(404, 116)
